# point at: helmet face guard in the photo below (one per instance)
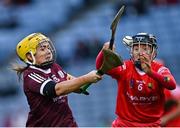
(29, 46)
(144, 38)
(47, 64)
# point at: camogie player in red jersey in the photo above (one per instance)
(45, 83)
(171, 117)
(141, 83)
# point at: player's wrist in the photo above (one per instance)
(149, 72)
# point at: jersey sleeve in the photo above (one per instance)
(115, 72)
(35, 82)
(164, 77)
(99, 60)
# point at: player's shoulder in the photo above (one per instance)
(33, 71)
(56, 66)
(36, 70)
(128, 63)
(29, 70)
(157, 65)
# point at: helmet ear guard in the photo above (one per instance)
(30, 59)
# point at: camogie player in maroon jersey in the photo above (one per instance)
(45, 83)
(141, 83)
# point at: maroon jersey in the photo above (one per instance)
(46, 111)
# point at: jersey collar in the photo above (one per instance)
(140, 72)
(47, 71)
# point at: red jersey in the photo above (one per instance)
(45, 111)
(140, 98)
(172, 95)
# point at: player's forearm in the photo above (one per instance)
(99, 60)
(172, 115)
(70, 77)
(66, 87)
(166, 81)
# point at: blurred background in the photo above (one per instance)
(78, 29)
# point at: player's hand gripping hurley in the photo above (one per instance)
(111, 59)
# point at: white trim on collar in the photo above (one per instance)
(44, 71)
(140, 72)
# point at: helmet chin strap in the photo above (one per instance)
(45, 65)
(33, 60)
